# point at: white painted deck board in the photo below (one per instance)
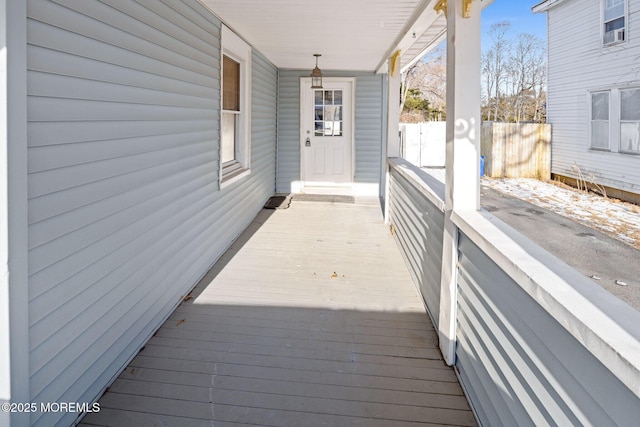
(272, 337)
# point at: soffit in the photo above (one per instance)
(350, 34)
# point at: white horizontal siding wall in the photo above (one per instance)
(522, 367)
(368, 126)
(578, 64)
(418, 229)
(125, 211)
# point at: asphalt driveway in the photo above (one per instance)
(603, 258)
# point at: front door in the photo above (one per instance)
(326, 130)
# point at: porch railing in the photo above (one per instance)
(537, 343)
(417, 218)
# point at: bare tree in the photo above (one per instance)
(513, 77)
(514, 74)
(429, 77)
(499, 53)
(525, 67)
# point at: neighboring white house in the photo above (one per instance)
(594, 91)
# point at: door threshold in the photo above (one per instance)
(342, 190)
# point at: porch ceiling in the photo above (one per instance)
(350, 34)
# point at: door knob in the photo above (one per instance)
(307, 143)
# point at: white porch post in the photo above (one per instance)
(462, 185)
(14, 320)
(393, 123)
(393, 110)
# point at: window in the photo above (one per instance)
(630, 120)
(328, 112)
(614, 19)
(235, 135)
(230, 109)
(600, 120)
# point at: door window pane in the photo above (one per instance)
(328, 97)
(328, 114)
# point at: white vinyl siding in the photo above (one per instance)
(518, 363)
(125, 212)
(577, 66)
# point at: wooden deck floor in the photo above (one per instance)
(309, 319)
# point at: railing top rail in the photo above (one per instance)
(605, 325)
(431, 187)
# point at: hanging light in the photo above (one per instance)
(316, 75)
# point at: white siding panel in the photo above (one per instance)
(368, 129)
(125, 210)
(68, 64)
(50, 37)
(519, 365)
(418, 230)
(578, 64)
(54, 133)
(49, 85)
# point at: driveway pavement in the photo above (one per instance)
(596, 255)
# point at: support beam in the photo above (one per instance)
(462, 182)
(393, 106)
(393, 121)
(14, 320)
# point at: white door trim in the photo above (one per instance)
(305, 83)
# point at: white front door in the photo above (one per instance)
(326, 130)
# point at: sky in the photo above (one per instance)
(518, 12)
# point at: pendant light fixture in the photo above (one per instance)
(316, 75)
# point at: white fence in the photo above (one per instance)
(516, 150)
(423, 144)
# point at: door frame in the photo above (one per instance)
(305, 93)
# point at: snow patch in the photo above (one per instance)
(618, 219)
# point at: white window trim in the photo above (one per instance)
(615, 120)
(602, 25)
(238, 50)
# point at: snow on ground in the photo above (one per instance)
(618, 219)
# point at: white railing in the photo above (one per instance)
(537, 343)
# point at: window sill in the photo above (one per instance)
(232, 172)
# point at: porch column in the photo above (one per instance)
(462, 185)
(393, 121)
(14, 320)
(393, 106)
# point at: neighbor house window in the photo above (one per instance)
(630, 120)
(600, 120)
(614, 22)
(235, 135)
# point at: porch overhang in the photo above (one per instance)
(353, 35)
(546, 5)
